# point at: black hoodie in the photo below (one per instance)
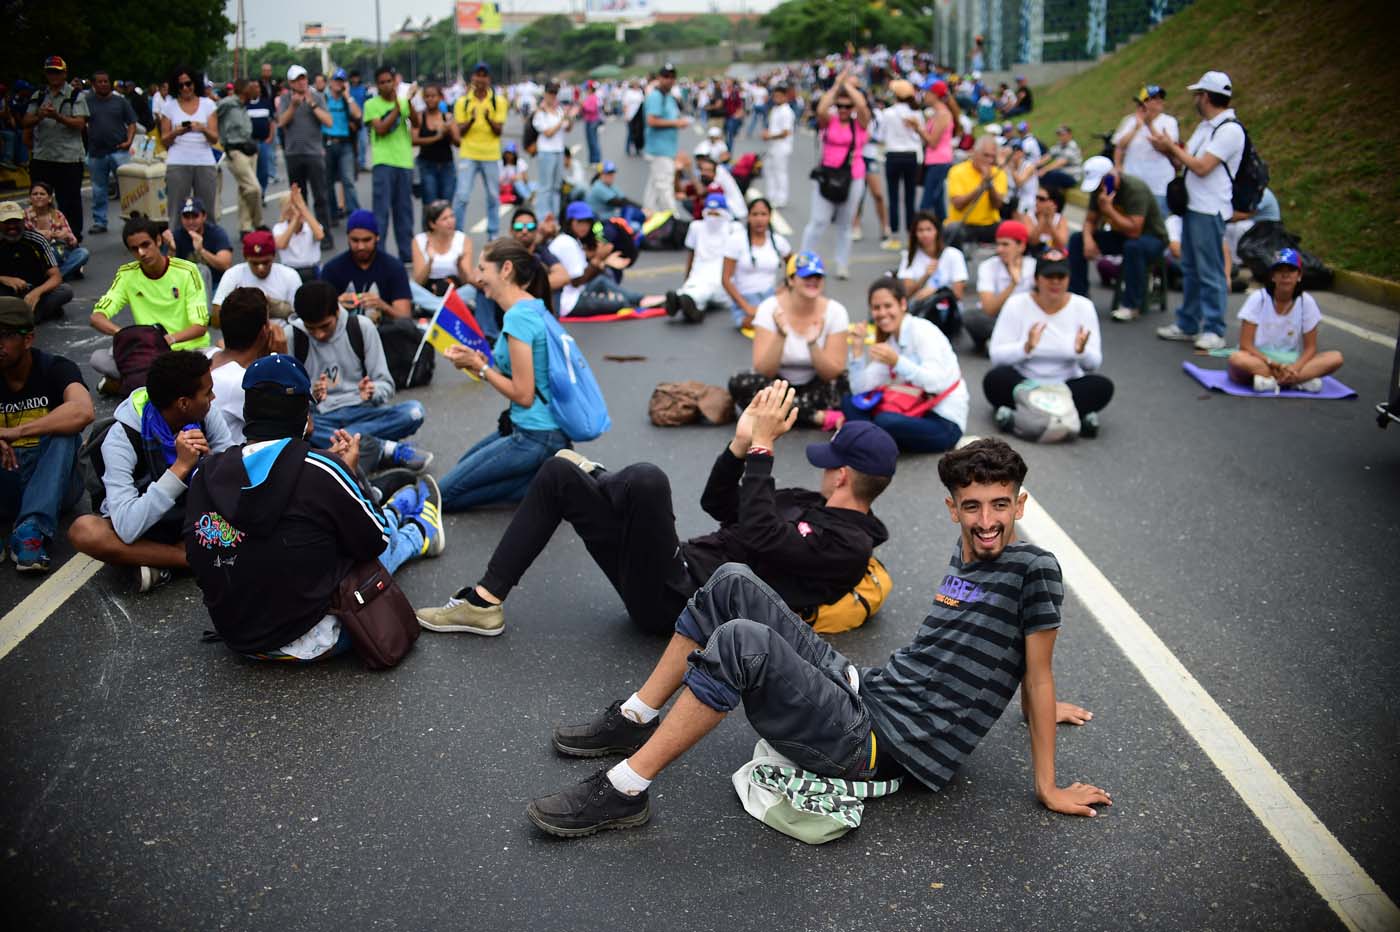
(271, 529)
(809, 553)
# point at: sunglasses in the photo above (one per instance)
(1042, 197)
(184, 84)
(521, 226)
(845, 106)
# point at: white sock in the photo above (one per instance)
(634, 709)
(389, 447)
(625, 780)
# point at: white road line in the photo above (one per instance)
(43, 601)
(504, 209)
(1362, 332)
(1347, 888)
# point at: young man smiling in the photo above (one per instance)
(992, 627)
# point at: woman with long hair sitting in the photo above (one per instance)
(442, 259)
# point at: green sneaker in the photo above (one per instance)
(461, 615)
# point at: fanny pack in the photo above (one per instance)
(373, 609)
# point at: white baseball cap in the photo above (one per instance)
(1094, 170)
(1214, 82)
(714, 132)
(296, 71)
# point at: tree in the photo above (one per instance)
(800, 28)
(108, 35)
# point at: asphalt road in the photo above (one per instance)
(157, 782)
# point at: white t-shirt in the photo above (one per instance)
(1280, 331)
(992, 276)
(514, 172)
(546, 120)
(795, 365)
(898, 135)
(926, 359)
(281, 283)
(228, 391)
(443, 265)
(781, 120)
(1054, 358)
(707, 238)
(755, 267)
(952, 268)
(1211, 193)
(302, 251)
(189, 148)
(1140, 159)
(631, 101)
(571, 256)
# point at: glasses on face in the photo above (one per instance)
(520, 226)
(1042, 197)
(184, 84)
(844, 106)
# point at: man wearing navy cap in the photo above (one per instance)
(203, 242)
(272, 526)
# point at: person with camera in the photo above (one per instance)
(843, 122)
(977, 189)
(1135, 230)
(189, 128)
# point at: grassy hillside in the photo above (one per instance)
(1316, 85)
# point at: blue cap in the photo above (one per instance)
(339, 74)
(1023, 126)
(860, 445)
(608, 167)
(806, 265)
(192, 205)
(362, 220)
(716, 202)
(481, 66)
(278, 371)
(1288, 257)
(508, 147)
(578, 210)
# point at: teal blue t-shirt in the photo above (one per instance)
(523, 322)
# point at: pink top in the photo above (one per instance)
(836, 142)
(941, 154)
(589, 108)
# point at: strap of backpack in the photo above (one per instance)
(301, 345)
(354, 329)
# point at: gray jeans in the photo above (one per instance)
(792, 683)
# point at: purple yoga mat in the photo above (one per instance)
(1219, 381)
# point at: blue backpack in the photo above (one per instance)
(574, 399)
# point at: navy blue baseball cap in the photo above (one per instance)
(278, 371)
(481, 67)
(608, 168)
(861, 445)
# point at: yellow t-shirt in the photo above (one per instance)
(963, 179)
(478, 142)
(176, 300)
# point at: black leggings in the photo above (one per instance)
(1091, 392)
(902, 169)
(812, 397)
(627, 523)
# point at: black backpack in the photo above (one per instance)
(1248, 184)
(402, 340)
(637, 129)
(529, 137)
(301, 343)
(91, 463)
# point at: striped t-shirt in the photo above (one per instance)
(935, 699)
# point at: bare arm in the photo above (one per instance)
(66, 419)
(1038, 696)
(420, 264)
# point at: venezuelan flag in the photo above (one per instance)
(454, 323)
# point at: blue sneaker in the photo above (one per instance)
(29, 550)
(409, 458)
(429, 517)
(406, 502)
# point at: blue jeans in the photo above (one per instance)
(732, 125)
(9, 146)
(392, 189)
(362, 147)
(267, 164)
(405, 543)
(758, 119)
(340, 167)
(426, 300)
(753, 297)
(374, 423)
(73, 260)
(595, 151)
(549, 166)
(1202, 274)
(499, 469)
(792, 684)
(933, 198)
(437, 181)
(1136, 254)
(103, 169)
(486, 312)
(928, 434)
(46, 483)
(467, 172)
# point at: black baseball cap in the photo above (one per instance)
(15, 315)
(861, 445)
(668, 69)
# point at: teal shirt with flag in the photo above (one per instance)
(523, 322)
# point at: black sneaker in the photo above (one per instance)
(610, 733)
(690, 310)
(589, 807)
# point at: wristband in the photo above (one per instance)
(763, 451)
(482, 374)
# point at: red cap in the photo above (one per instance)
(259, 244)
(939, 88)
(55, 63)
(1012, 229)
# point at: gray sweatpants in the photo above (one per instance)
(792, 683)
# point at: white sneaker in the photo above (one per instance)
(1210, 341)
(1173, 332)
(1124, 314)
(843, 272)
(1311, 385)
(857, 235)
(1265, 385)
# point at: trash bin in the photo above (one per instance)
(142, 189)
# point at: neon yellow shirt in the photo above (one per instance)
(478, 142)
(176, 300)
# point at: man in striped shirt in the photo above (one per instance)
(991, 627)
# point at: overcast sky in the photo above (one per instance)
(276, 20)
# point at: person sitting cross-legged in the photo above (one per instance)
(1278, 334)
(351, 387)
(992, 628)
(29, 267)
(44, 407)
(161, 433)
(273, 525)
(812, 547)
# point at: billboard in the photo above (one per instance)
(312, 33)
(602, 10)
(478, 17)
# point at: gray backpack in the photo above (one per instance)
(1045, 412)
